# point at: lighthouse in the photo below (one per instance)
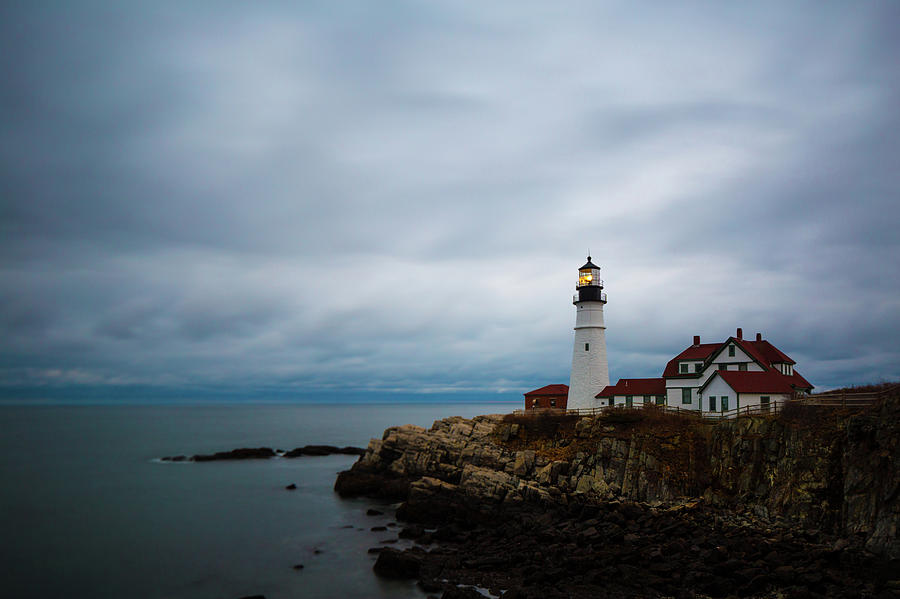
(590, 371)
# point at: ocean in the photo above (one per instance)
(87, 509)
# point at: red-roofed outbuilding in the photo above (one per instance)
(549, 396)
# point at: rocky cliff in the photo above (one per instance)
(831, 477)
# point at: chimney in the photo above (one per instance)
(696, 340)
(759, 336)
(740, 333)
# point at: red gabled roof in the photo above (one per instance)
(694, 352)
(763, 352)
(750, 348)
(550, 390)
(799, 382)
(635, 387)
(744, 381)
(772, 354)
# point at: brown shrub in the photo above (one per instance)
(543, 423)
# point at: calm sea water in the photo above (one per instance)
(87, 510)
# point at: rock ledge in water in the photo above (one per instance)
(263, 453)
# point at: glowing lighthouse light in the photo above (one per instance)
(587, 276)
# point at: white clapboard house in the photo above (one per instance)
(716, 377)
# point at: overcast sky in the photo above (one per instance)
(386, 197)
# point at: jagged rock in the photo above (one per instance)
(524, 462)
(413, 531)
(462, 593)
(485, 483)
(397, 564)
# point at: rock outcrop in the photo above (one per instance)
(725, 508)
(829, 471)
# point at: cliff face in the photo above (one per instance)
(835, 473)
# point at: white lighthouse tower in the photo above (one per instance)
(590, 371)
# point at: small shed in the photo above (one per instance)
(549, 396)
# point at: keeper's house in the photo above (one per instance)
(716, 377)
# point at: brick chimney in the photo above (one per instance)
(740, 333)
(759, 336)
(696, 340)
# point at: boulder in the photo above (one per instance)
(524, 462)
(397, 564)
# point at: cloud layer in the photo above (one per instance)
(395, 197)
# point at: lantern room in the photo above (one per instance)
(589, 274)
(590, 285)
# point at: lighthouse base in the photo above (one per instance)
(590, 371)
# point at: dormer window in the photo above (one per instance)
(698, 367)
(685, 367)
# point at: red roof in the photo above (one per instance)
(762, 351)
(694, 352)
(771, 353)
(799, 382)
(551, 390)
(635, 387)
(744, 381)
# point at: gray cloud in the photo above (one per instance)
(396, 197)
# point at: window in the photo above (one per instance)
(724, 403)
(684, 368)
(587, 347)
(646, 399)
(612, 399)
(742, 366)
(712, 403)
(686, 395)
(629, 401)
(660, 400)
(698, 367)
(552, 403)
(730, 351)
(723, 366)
